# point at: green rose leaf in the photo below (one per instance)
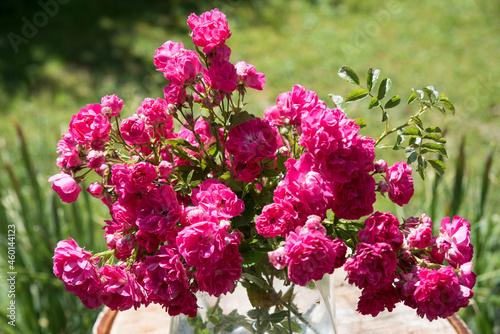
(394, 101)
(438, 166)
(356, 95)
(372, 78)
(359, 122)
(434, 147)
(412, 132)
(384, 87)
(412, 98)
(373, 103)
(349, 75)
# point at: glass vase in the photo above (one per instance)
(257, 308)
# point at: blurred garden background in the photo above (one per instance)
(59, 55)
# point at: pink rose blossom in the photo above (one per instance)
(333, 140)
(165, 168)
(165, 280)
(96, 189)
(66, 187)
(438, 293)
(76, 268)
(373, 267)
(252, 141)
(183, 68)
(275, 220)
(374, 302)
(381, 166)
(382, 227)
(454, 241)
(221, 76)
(165, 52)
(89, 125)
(217, 199)
(210, 29)
(354, 199)
(248, 76)
(134, 130)
(195, 214)
(202, 129)
(69, 153)
(310, 254)
(155, 112)
(114, 103)
(124, 213)
(201, 244)
(174, 95)
(400, 183)
(419, 237)
(220, 53)
(466, 276)
(120, 289)
(246, 172)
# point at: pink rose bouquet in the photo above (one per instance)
(201, 193)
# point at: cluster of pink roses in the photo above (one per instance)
(177, 198)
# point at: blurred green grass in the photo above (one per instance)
(91, 49)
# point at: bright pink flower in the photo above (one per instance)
(310, 254)
(293, 105)
(219, 277)
(275, 220)
(66, 187)
(183, 68)
(95, 158)
(382, 227)
(155, 112)
(69, 154)
(220, 53)
(252, 141)
(195, 214)
(217, 199)
(381, 166)
(124, 213)
(354, 199)
(201, 244)
(438, 293)
(76, 268)
(202, 129)
(89, 125)
(142, 176)
(419, 237)
(248, 76)
(221, 76)
(96, 189)
(400, 183)
(374, 302)
(467, 277)
(454, 241)
(134, 130)
(165, 52)
(210, 29)
(333, 140)
(120, 289)
(246, 172)
(305, 189)
(165, 168)
(157, 213)
(373, 267)
(165, 279)
(114, 103)
(277, 258)
(174, 94)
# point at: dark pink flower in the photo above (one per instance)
(466, 276)
(69, 153)
(89, 125)
(165, 52)
(95, 158)
(249, 77)
(174, 94)
(333, 140)
(155, 112)
(77, 269)
(165, 280)
(354, 199)
(275, 220)
(114, 103)
(221, 76)
(120, 289)
(373, 267)
(454, 241)
(438, 293)
(382, 227)
(66, 187)
(96, 189)
(217, 200)
(374, 302)
(142, 176)
(419, 237)
(400, 183)
(201, 244)
(210, 29)
(220, 53)
(183, 68)
(134, 130)
(252, 141)
(310, 254)
(246, 172)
